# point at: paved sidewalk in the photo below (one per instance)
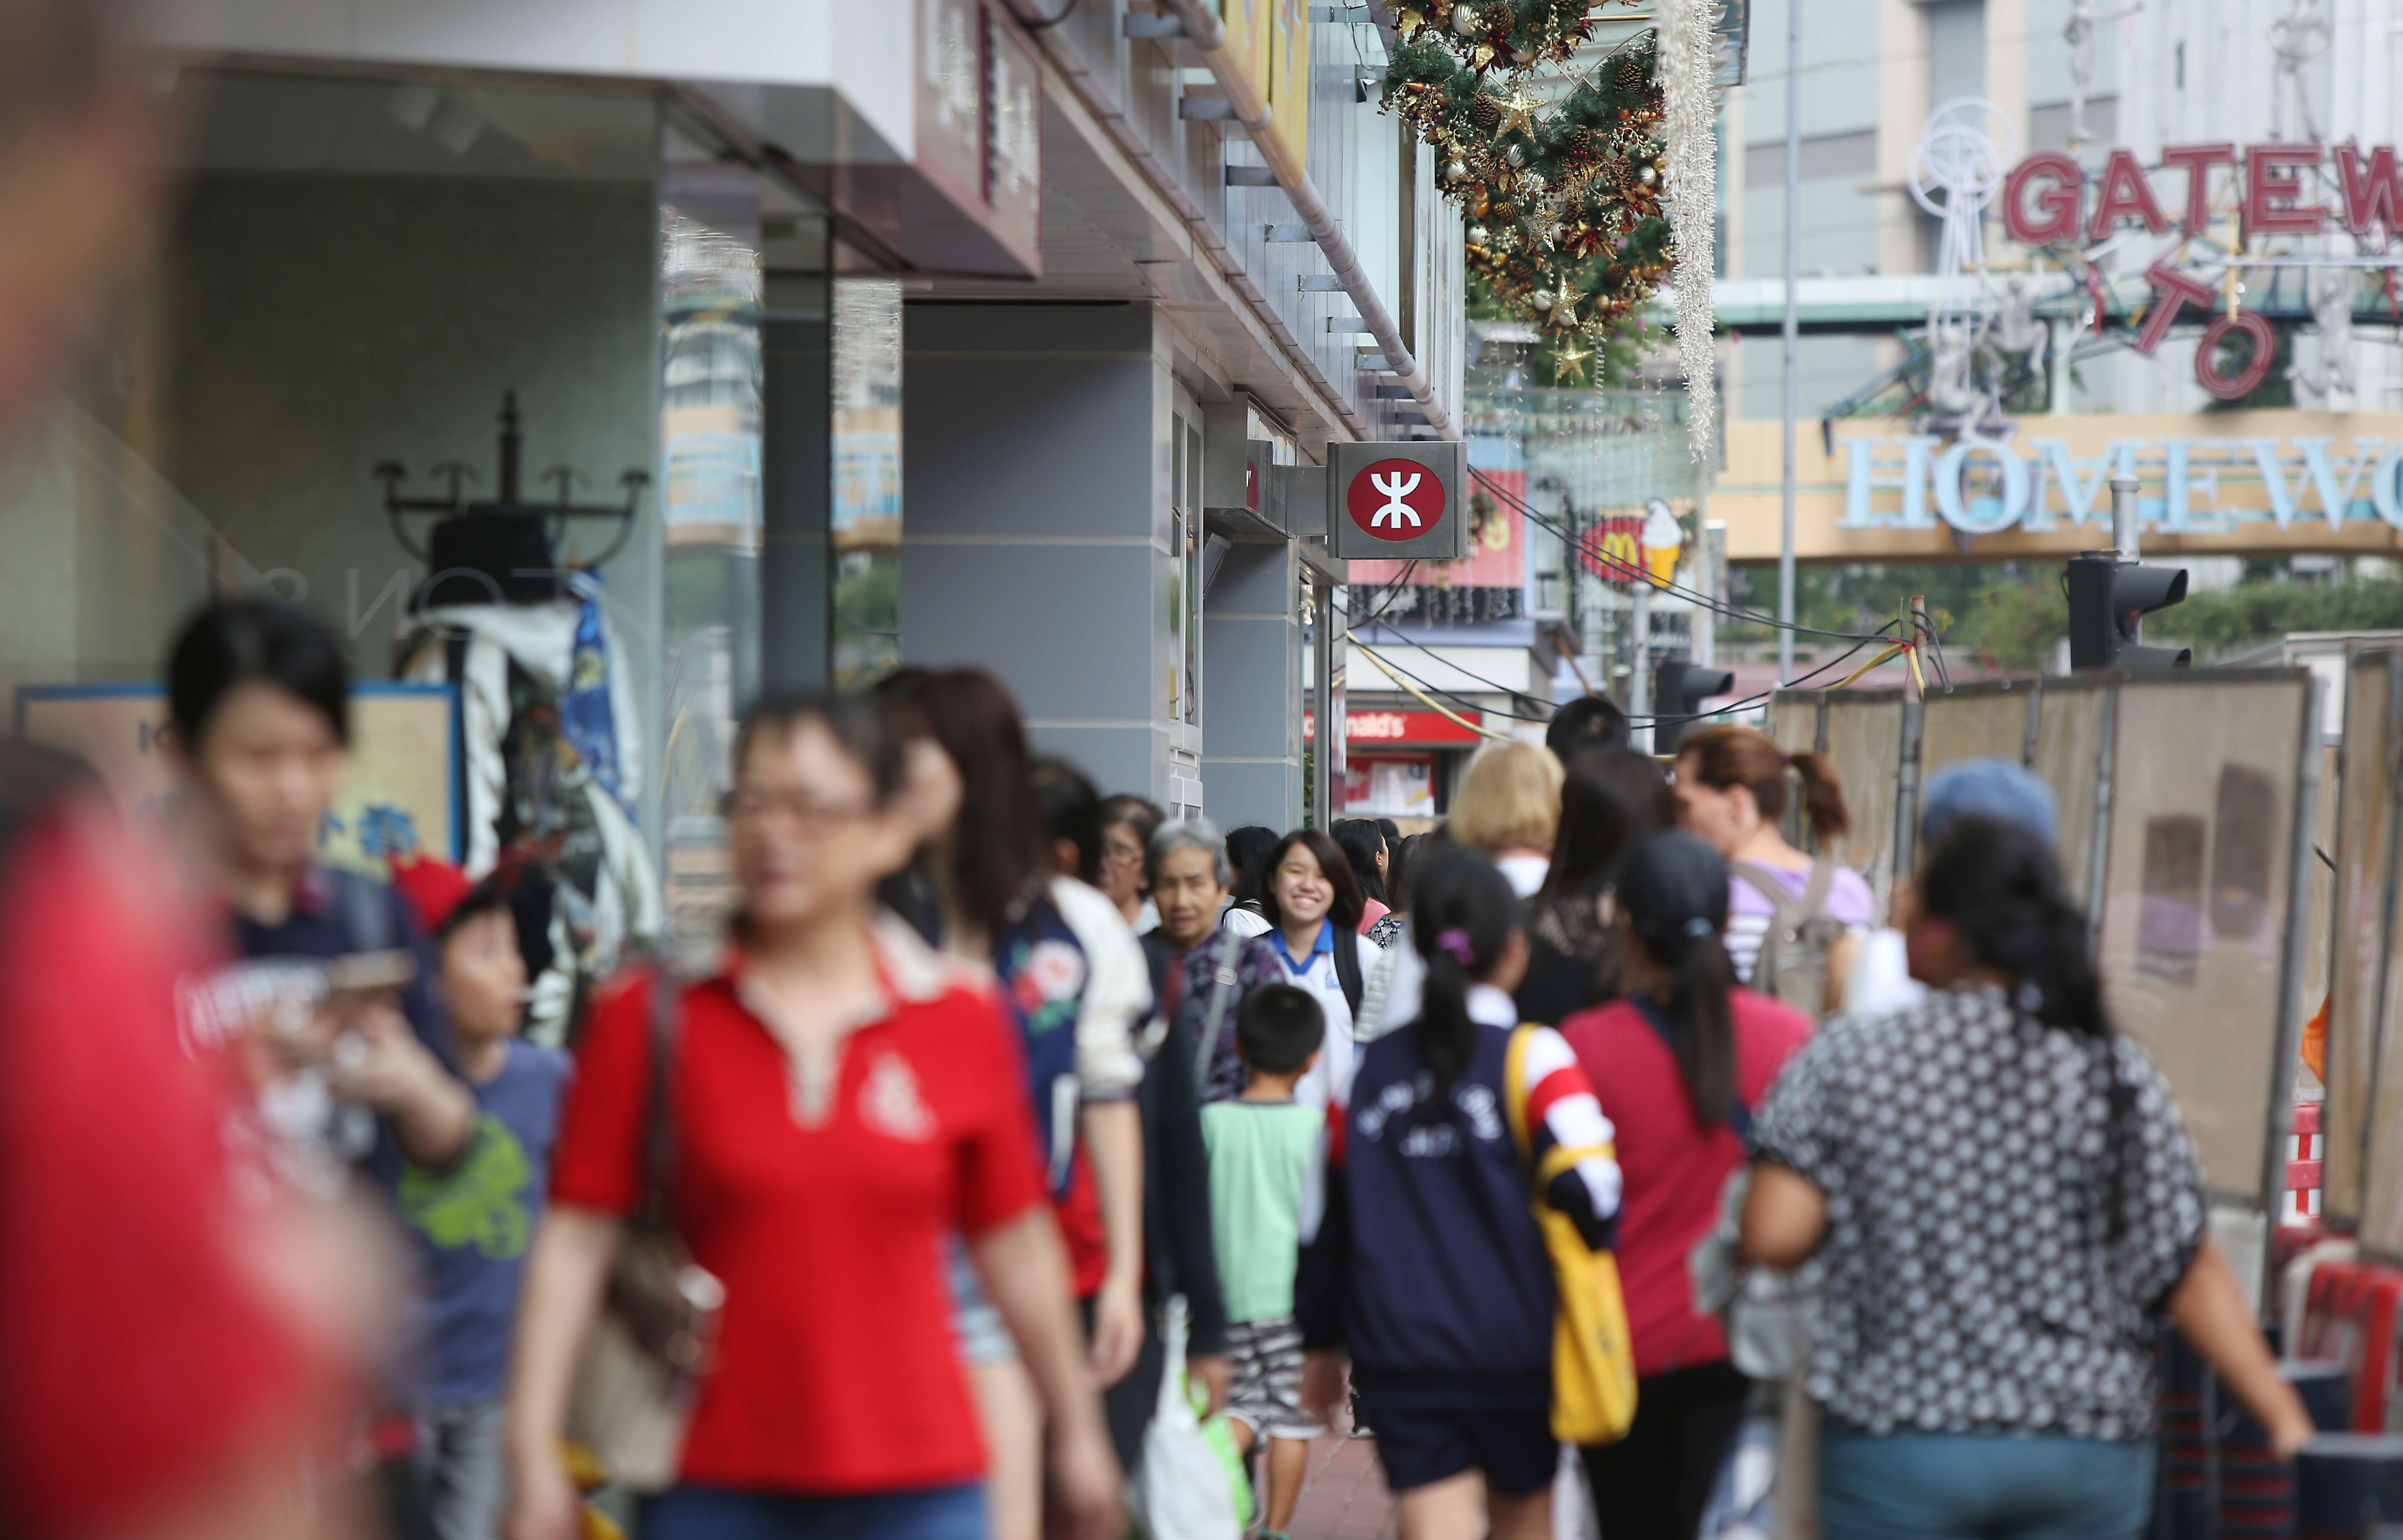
(1344, 1497)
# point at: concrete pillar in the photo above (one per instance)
(1035, 455)
(1252, 673)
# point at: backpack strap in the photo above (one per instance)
(1817, 887)
(1224, 986)
(1514, 1090)
(1347, 971)
(1763, 881)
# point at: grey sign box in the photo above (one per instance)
(1444, 539)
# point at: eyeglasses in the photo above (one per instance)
(808, 812)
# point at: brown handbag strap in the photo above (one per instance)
(659, 1135)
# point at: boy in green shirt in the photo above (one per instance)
(1265, 1149)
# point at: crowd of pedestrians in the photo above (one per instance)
(1014, 1115)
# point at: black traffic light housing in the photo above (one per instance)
(1678, 691)
(2108, 598)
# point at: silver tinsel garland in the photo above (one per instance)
(1688, 45)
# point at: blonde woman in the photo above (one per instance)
(1508, 806)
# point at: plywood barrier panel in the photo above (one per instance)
(2196, 897)
(2364, 801)
(1975, 722)
(2381, 1177)
(2068, 739)
(1865, 755)
(1794, 720)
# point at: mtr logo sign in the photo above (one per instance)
(1396, 500)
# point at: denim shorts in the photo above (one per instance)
(984, 1338)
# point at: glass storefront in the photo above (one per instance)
(485, 376)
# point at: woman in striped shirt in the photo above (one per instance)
(1732, 794)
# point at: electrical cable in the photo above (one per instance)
(1456, 697)
(1796, 682)
(1431, 700)
(1637, 574)
(1411, 642)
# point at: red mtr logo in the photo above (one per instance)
(1394, 499)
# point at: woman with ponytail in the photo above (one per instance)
(1429, 1271)
(1678, 1065)
(2008, 1209)
(1732, 792)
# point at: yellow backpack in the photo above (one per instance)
(1593, 1357)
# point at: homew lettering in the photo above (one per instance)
(2205, 486)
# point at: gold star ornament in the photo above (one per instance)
(1562, 315)
(1569, 362)
(1518, 113)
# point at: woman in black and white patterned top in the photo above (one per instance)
(2008, 1205)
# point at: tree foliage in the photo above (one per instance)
(2012, 614)
(2228, 621)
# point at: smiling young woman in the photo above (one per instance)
(1313, 904)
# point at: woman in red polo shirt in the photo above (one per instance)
(1678, 1064)
(843, 1104)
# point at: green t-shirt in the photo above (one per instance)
(1260, 1153)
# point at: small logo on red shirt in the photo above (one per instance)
(1394, 499)
(889, 1101)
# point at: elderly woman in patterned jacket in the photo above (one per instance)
(2008, 1207)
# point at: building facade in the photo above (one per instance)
(634, 358)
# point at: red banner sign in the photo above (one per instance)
(1398, 727)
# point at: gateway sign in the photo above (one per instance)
(2197, 484)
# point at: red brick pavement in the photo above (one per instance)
(1344, 1497)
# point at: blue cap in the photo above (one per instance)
(1987, 788)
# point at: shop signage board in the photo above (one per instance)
(1013, 170)
(969, 199)
(1288, 49)
(2259, 483)
(1249, 34)
(1372, 728)
(2307, 189)
(399, 794)
(1390, 786)
(1401, 501)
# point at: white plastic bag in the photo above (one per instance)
(1180, 1489)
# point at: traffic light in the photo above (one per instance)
(2108, 598)
(1678, 691)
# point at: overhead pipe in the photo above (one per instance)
(1207, 34)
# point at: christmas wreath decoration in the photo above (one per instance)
(1566, 222)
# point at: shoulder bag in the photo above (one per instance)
(645, 1356)
(1594, 1353)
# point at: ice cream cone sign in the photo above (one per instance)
(1662, 540)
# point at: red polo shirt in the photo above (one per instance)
(838, 1370)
